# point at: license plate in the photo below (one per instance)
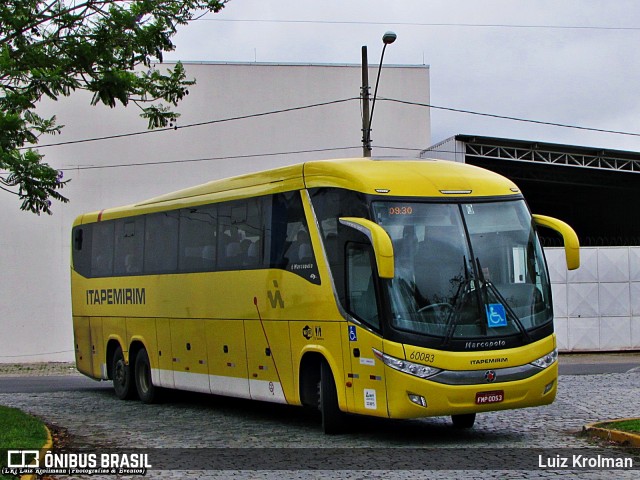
(483, 398)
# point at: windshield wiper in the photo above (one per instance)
(503, 301)
(450, 323)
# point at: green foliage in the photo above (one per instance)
(19, 431)
(631, 425)
(51, 48)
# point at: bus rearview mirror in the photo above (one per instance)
(571, 242)
(380, 240)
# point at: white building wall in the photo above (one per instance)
(597, 307)
(36, 322)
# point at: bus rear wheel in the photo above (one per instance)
(142, 376)
(332, 417)
(121, 375)
(465, 420)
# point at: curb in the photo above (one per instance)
(48, 445)
(612, 435)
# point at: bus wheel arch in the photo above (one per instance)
(318, 389)
(309, 378)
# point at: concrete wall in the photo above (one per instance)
(597, 307)
(34, 286)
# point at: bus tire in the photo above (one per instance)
(147, 391)
(121, 375)
(465, 420)
(332, 417)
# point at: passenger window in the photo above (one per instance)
(198, 239)
(291, 247)
(241, 234)
(129, 234)
(161, 243)
(82, 250)
(102, 249)
(361, 292)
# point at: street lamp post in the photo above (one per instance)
(387, 39)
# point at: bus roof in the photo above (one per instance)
(397, 178)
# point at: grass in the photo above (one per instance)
(632, 426)
(19, 431)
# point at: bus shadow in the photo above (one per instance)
(435, 431)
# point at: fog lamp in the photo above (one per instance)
(548, 387)
(417, 399)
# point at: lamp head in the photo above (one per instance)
(389, 37)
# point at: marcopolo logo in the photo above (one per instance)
(32, 462)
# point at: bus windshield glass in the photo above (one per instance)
(465, 270)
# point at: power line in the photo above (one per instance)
(333, 102)
(198, 124)
(515, 119)
(35, 354)
(190, 160)
(423, 24)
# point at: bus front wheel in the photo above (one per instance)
(332, 417)
(464, 420)
(142, 376)
(121, 374)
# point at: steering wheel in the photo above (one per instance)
(435, 307)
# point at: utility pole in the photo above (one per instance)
(387, 39)
(365, 94)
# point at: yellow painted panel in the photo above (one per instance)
(144, 330)
(164, 350)
(82, 343)
(226, 349)
(98, 351)
(116, 328)
(269, 353)
(367, 374)
(189, 346)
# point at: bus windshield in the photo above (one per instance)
(465, 270)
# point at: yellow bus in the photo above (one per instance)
(388, 288)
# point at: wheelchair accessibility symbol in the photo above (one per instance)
(496, 315)
(353, 336)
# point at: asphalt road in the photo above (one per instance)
(50, 384)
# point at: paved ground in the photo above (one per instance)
(96, 419)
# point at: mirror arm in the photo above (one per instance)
(380, 240)
(571, 242)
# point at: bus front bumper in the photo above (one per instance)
(414, 397)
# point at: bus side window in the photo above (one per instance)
(129, 235)
(82, 250)
(102, 249)
(291, 247)
(361, 292)
(198, 239)
(161, 242)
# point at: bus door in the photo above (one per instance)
(367, 393)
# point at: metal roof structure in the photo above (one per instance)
(595, 190)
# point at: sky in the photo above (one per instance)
(573, 62)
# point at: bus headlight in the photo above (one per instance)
(415, 369)
(548, 360)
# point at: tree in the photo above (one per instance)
(52, 48)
